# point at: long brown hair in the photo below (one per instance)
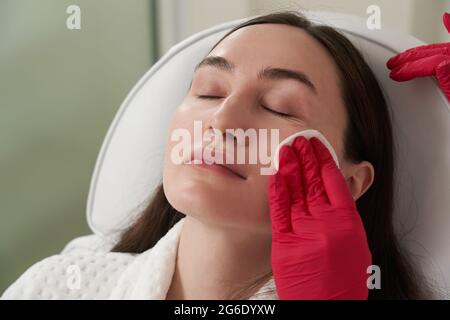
(368, 136)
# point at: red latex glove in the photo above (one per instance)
(423, 61)
(319, 245)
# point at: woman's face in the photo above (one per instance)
(242, 96)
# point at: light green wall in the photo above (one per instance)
(59, 91)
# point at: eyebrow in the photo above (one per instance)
(267, 73)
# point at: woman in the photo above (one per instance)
(225, 248)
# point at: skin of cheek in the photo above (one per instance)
(331, 122)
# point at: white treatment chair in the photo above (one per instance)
(130, 161)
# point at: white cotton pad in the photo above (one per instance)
(307, 134)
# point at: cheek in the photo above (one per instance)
(345, 168)
(262, 202)
(180, 133)
(170, 168)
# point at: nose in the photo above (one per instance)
(233, 113)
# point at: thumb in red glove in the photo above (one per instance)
(319, 245)
(423, 61)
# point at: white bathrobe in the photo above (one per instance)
(87, 270)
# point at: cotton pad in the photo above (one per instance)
(308, 134)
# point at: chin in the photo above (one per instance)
(217, 203)
(199, 201)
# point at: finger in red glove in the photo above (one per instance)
(423, 61)
(319, 247)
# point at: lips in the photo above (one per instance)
(236, 169)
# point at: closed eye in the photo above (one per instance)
(208, 97)
(281, 114)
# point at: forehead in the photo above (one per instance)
(254, 47)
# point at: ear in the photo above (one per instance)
(359, 178)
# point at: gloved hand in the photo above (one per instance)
(422, 61)
(319, 245)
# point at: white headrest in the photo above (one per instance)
(130, 161)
